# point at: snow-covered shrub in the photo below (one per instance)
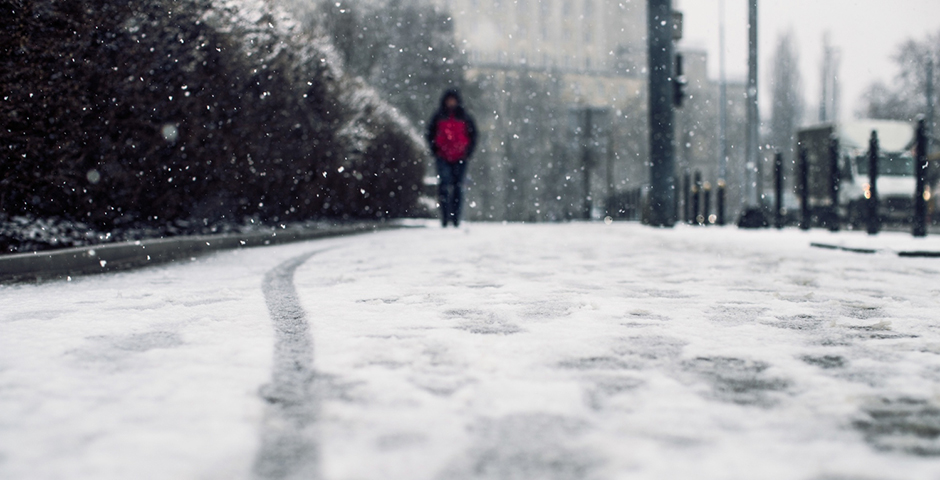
(377, 174)
(134, 111)
(406, 49)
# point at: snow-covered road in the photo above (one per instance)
(569, 351)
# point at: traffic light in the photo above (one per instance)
(678, 83)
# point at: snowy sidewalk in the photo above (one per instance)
(572, 351)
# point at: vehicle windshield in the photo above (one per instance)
(892, 165)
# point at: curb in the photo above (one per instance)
(844, 249)
(919, 253)
(58, 264)
(912, 253)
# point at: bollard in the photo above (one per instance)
(640, 204)
(778, 190)
(721, 202)
(676, 215)
(920, 172)
(804, 189)
(687, 188)
(696, 198)
(833, 219)
(635, 207)
(706, 203)
(874, 221)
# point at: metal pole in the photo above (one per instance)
(610, 169)
(920, 166)
(675, 200)
(587, 164)
(686, 192)
(753, 117)
(720, 203)
(834, 180)
(874, 222)
(661, 114)
(722, 108)
(636, 198)
(804, 189)
(778, 190)
(706, 202)
(827, 66)
(930, 106)
(697, 199)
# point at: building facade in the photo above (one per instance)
(570, 35)
(565, 125)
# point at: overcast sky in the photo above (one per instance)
(867, 32)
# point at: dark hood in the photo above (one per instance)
(453, 92)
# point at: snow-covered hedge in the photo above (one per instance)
(120, 112)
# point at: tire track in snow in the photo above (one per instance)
(289, 447)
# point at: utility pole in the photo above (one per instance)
(826, 67)
(722, 115)
(661, 98)
(836, 91)
(831, 95)
(753, 117)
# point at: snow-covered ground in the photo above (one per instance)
(564, 351)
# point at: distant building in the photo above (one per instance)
(697, 130)
(585, 55)
(597, 46)
(572, 35)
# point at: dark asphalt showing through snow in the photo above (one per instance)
(289, 446)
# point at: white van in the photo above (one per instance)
(896, 180)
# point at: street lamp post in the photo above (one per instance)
(661, 114)
(722, 116)
(753, 118)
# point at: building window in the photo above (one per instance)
(587, 21)
(522, 18)
(545, 13)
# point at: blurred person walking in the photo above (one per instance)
(452, 135)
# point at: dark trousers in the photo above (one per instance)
(449, 189)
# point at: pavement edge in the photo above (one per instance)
(59, 264)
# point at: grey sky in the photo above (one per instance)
(866, 31)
